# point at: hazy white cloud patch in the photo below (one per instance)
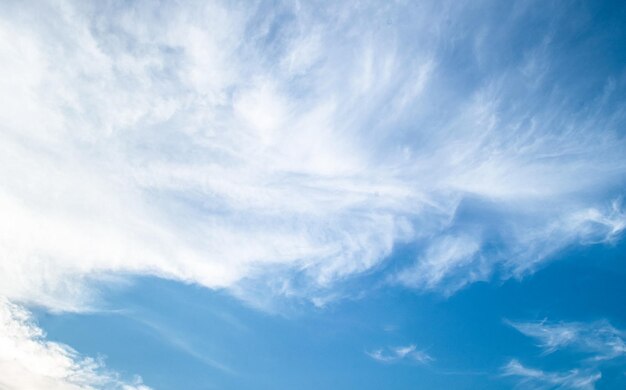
(29, 361)
(407, 354)
(445, 257)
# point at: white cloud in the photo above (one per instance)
(445, 256)
(599, 339)
(28, 361)
(407, 353)
(166, 142)
(222, 145)
(538, 379)
(214, 145)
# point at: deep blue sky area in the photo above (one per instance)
(185, 336)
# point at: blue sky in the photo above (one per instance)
(313, 195)
(186, 336)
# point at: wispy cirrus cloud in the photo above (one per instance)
(599, 339)
(532, 378)
(408, 353)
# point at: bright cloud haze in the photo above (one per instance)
(287, 151)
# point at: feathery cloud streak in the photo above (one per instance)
(599, 339)
(403, 353)
(532, 378)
